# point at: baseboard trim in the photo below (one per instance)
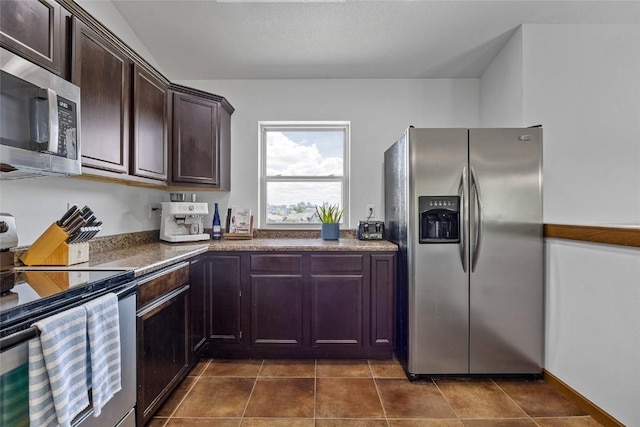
(585, 404)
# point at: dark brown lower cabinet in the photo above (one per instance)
(276, 310)
(163, 338)
(225, 292)
(336, 311)
(200, 271)
(301, 304)
(383, 287)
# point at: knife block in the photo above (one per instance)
(68, 254)
(51, 248)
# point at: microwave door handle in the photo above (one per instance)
(52, 102)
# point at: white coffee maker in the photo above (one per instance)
(183, 221)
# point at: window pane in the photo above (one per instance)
(295, 202)
(305, 153)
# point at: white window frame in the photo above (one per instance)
(266, 126)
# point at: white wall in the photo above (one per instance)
(501, 87)
(107, 14)
(593, 323)
(379, 111)
(37, 202)
(582, 83)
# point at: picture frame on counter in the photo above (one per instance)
(239, 223)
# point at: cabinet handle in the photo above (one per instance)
(158, 302)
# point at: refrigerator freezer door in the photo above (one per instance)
(438, 286)
(506, 246)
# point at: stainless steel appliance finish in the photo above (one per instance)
(120, 405)
(8, 231)
(39, 121)
(471, 298)
(22, 304)
(370, 230)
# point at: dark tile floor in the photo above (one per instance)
(356, 393)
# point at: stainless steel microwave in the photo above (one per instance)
(39, 121)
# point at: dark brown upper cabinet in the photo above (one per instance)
(201, 141)
(103, 73)
(149, 131)
(136, 127)
(36, 30)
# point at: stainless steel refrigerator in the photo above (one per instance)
(465, 208)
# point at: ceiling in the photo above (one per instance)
(294, 39)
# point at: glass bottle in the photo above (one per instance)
(216, 233)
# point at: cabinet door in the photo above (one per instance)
(224, 142)
(104, 76)
(149, 130)
(195, 140)
(163, 350)
(224, 303)
(336, 310)
(200, 277)
(276, 310)
(383, 273)
(35, 30)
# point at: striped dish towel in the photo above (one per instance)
(103, 328)
(58, 369)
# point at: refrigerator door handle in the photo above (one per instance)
(478, 220)
(462, 192)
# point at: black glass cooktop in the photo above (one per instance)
(26, 296)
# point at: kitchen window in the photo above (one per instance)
(302, 164)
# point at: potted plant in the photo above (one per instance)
(330, 216)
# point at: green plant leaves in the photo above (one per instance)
(329, 213)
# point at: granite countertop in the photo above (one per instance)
(146, 258)
(303, 244)
(149, 257)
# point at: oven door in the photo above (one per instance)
(14, 378)
(14, 386)
(123, 401)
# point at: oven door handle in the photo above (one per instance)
(18, 337)
(32, 332)
(128, 289)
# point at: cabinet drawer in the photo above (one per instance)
(322, 264)
(280, 263)
(159, 284)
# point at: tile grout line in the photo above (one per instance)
(375, 383)
(187, 392)
(515, 403)
(435, 383)
(255, 382)
(315, 390)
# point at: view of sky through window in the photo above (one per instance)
(304, 168)
(305, 153)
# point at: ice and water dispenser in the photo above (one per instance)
(439, 219)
